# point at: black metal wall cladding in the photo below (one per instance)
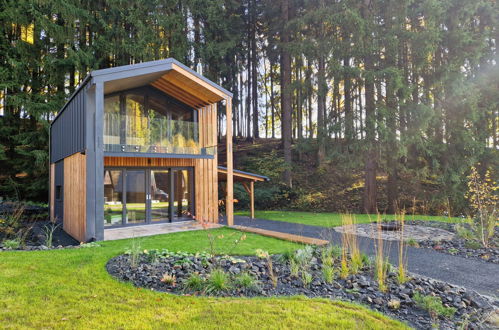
(67, 134)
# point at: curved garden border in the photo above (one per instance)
(250, 276)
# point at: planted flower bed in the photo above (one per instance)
(314, 272)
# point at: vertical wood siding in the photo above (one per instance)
(52, 191)
(75, 196)
(206, 175)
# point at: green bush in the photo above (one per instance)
(246, 281)
(12, 244)
(434, 306)
(328, 273)
(195, 282)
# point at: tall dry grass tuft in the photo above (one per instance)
(402, 268)
(381, 262)
(350, 244)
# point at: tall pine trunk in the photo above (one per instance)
(286, 125)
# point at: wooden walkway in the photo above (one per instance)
(283, 236)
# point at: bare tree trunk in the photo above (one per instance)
(321, 104)
(286, 93)
(371, 161)
(254, 74)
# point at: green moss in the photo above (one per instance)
(71, 289)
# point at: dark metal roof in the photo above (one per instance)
(162, 65)
(246, 173)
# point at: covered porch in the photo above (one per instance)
(247, 180)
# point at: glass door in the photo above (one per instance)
(140, 196)
(113, 197)
(160, 195)
(182, 193)
(136, 197)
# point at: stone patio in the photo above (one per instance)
(418, 233)
(155, 229)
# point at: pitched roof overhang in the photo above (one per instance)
(240, 176)
(169, 75)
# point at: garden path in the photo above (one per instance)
(471, 274)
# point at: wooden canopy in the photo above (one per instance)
(247, 179)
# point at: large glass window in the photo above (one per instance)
(147, 120)
(143, 196)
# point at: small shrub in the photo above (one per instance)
(304, 256)
(12, 244)
(464, 233)
(169, 279)
(152, 256)
(294, 268)
(483, 199)
(286, 256)
(327, 255)
(218, 281)
(412, 242)
(195, 282)
(48, 233)
(472, 245)
(246, 281)
(453, 250)
(328, 273)
(306, 279)
(134, 252)
(434, 306)
(270, 267)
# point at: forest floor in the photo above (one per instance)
(325, 219)
(337, 185)
(70, 288)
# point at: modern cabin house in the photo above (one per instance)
(137, 145)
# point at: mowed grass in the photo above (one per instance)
(334, 219)
(71, 289)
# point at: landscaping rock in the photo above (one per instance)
(397, 301)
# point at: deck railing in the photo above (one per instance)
(139, 134)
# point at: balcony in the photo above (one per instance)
(152, 135)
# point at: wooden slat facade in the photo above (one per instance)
(205, 170)
(52, 191)
(74, 193)
(147, 162)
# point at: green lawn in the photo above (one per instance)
(332, 219)
(71, 289)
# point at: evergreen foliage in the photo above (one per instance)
(402, 89)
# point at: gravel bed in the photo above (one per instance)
(36, 238)
(459, 246)
(397, 301)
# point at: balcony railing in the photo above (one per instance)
(152, 135)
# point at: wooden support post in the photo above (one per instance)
(252, 199)
(229, 203)
(251, 192)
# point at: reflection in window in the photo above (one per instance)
(147, 120)
(113, 197)
(136, 126)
